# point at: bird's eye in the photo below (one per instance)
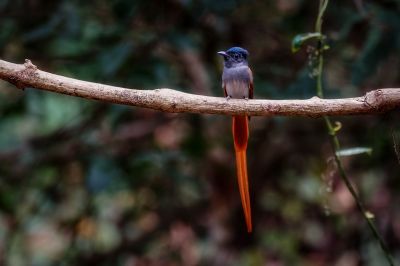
(236, 56)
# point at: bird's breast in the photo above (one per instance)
(236, 81)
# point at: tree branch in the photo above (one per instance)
(167, 100)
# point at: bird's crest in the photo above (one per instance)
(237, 50)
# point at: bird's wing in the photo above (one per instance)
(224, 88)
(251, 87)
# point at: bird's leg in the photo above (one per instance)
(228, 97)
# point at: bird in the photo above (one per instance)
(237, 83)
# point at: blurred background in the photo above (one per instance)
(90, 183)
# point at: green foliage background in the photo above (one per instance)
(89, 183)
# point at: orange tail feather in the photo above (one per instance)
(240, 130)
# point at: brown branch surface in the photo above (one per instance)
(167, 100)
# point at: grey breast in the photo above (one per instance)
(236, 81)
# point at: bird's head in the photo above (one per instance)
(234, 56)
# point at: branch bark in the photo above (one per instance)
(167, 100)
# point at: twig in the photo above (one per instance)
(167, 100)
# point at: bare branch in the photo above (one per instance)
(167, 100)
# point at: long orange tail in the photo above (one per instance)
(240, 130)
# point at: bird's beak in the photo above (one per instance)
(222, 53)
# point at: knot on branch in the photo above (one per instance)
(376, 100)
(29, 66)
(28, 72)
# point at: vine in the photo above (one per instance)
(317, 56)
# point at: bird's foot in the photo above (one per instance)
(228, 97)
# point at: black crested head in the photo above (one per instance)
(234, 56)
(237, 51)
